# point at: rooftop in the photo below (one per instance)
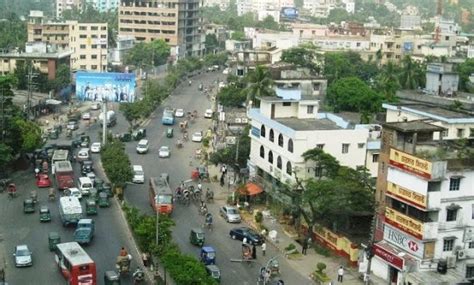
(308, 124)
(413, 126)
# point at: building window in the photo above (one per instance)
(82, 56)
(94, 67)
(272, 136)
(94, 28)
(82, 46)
(471, 244)
(262, 152)
(279, 162)
(290, 145)
(289, 169)
(360, 145)
(320, 146)
(444, 133)
(448, 244)
(83, 36)
(286, 104)
(345, 148)
(270, 157)
(310, 109)
(82, 67)
(280, 140)
(471, 132)
(93, 46)
(454, 183)
(375, 157)
(460, 133)
(451, 215)
(469, 271)
(318, 172)
(94, 56)
(262, 131)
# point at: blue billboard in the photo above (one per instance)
(289, 13)
(111, 86)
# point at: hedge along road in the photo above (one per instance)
(179, 168)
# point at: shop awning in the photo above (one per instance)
(251, 189)
(53, 102)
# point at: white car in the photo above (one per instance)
(208, 113)
(74, 192)
(179, 113)
(138, 174)
(142, 146)
(91, 176)
(95, 106)
(197, 137)
(86, 116)
(95, 147)
(164, 152)
(83, 154)
(23, 256)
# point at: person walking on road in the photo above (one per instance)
(264, 248)
(254, 252)
(340, 274)
(305, 246)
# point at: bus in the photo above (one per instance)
(168, 117)
(75, 264)
(161, 196)
(60, 155)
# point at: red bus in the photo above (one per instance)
(160, 194)
(75, 264)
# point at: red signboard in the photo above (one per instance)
(390, 257)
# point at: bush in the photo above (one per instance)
(205, 142)
(319, 274)
(322, 250)
(290, 247)
(320, 267)
(116, 163)
(259, 217)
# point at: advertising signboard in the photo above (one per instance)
(404, 241)
(288, 13)
(410, 163)
(408, 196)
(404, 223)
(389, 257)
(111, 86)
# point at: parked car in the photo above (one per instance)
(23, 256)
(252, 236)
(197, 137)
(142, 146)
(164, 152)
(208, 113)
(72, 125)
(179, 113)
(230, 214)
(86, 116)
(95, 147)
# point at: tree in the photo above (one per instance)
(352, 94)
(303, 56)
(211, 43)
(323, 161)
(227, 154)
(30, 135)
(231, 96)
(387, 82)
(116, 162)
(238, 36)
(269, 23)
(131, 112)
(465, 70)
(338, 15)
(148, 54)
(6, 155)
(13, 31)
(259, 84)
(62, 77)
(411, 73)
(341, 64)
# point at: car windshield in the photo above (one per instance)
(164, 148)
(86, 185)
(22, 252)
(197, 134)
(138, 172)
(165, 199)
(142, 145)
(44, 211)
(232, 211)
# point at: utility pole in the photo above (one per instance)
(31, 86)
(104, 122)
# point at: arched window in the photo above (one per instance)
(262, 131)
(262, 152)
(272, 136)
(270, 157)
(279, 162)
(289, 170)
(280, 140)
(290, 145)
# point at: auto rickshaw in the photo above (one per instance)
(123, 264)
(196, 237)
(111, 278)
(98, 183)
(107, 189)
(52, 194)
(139, 134)
(53, 240)
(214, 272)
(125, 137)
(103, 200)
(94, 195)
(69, 133)
(28, 206)
(85, 141)
(208, 255)
(45, 214)
(53, 134)
(11, 189)
(91, 207)
(169, 133)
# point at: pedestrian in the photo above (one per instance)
(340, 274)
(222, 180)
(123, 252)
(254, 252)
(305, 246)
(264, 248)
(145, 259)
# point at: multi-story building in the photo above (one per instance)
(63, 5)
(319, 8)
(441, 79)
(104, 5)
(223, 4)
(286, 126)
(424, 227)
(176, 22)
(117, 54)
(410, 22)
(88, 42)
(254, 6)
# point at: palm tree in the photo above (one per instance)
(259, 84)
(410, 73)
(387, 81)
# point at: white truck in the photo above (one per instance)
(111, 118)
(70, 210)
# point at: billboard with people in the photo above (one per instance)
(111, 86)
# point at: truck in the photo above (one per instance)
(84, 231)
(70, 210)
(60, 155)
(160, 194)
(168, 117)
(111, 119)
(64, 174)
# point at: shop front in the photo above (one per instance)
(389, 263)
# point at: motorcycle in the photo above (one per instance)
(203, 210)
(138, 276)
(209, 195)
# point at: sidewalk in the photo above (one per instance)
(304, 264)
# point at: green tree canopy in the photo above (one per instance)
(269, 23)
(116, 162)
(150, 54)
(303, 56)
(352, 94)
(259, 84)
(30, 135)
(227, 154)
(338, 65)
(211, 43)
(13, 32)
(232, 96)
(465, 70)
(412, 74)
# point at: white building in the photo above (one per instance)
(410, 22)
(319, 8)
(343, 42)
(349, 5)
(63, 5)
(254, 6)
(124, 44)
(104, 5)
(425, 224)
(286, 126)
(470, 51)
(223, 4)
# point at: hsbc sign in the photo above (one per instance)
(404, 241)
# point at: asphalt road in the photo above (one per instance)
(179, 166)
(19, 228)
